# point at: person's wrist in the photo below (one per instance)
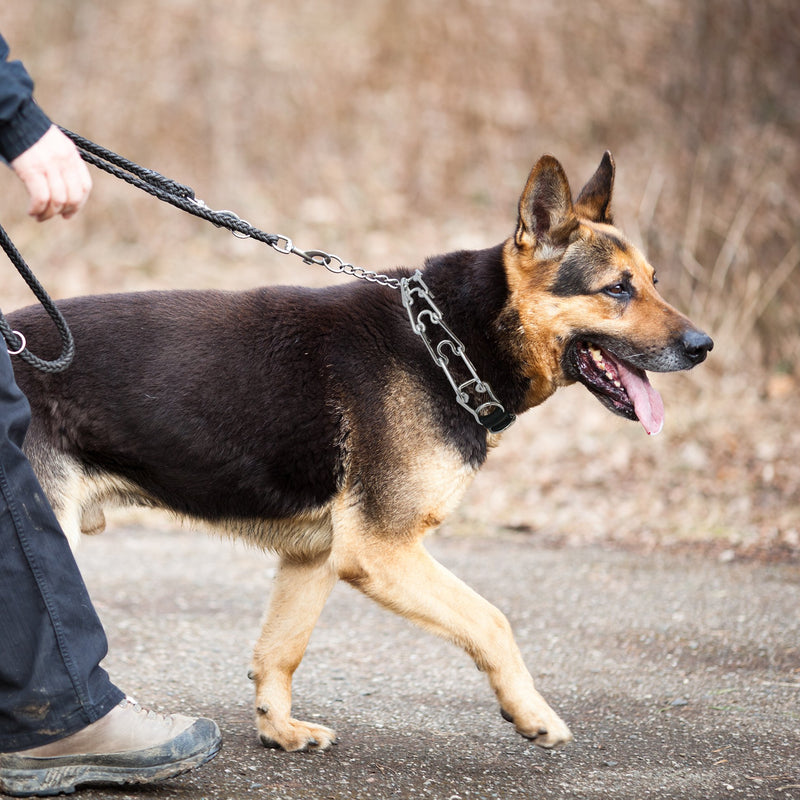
(21, 132)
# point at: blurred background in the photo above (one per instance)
(389, 130)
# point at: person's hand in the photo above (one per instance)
(55, 176)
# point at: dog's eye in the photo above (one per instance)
(617, 290)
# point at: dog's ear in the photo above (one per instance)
(546, 215)
(594, 201)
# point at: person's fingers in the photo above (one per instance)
(69, 178)
(79, 185)
(39, 191)
(58, 194)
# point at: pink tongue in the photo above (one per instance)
(647, 402)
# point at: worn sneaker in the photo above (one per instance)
(128, 745)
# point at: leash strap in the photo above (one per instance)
(14, 339)
(172, 192)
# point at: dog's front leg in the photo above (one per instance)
(406, 579)
(299, 593)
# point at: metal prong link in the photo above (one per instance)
(485, 411)
(456, 348)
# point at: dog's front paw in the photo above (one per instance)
(552, 734)
(293, 734)
(547, 730)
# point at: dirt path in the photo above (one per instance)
(679, 676)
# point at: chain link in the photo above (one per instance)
(335, 264)
(284, 245)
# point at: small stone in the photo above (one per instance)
(679, 701)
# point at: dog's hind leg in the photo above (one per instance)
(403, 577)
(298, 596)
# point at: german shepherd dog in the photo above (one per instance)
(314, 423)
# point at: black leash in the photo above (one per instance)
(172, 192)
(153, 183)
(183, 197)
(14, 339)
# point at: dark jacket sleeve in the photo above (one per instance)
(22, 122)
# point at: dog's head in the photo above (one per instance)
(586, 299)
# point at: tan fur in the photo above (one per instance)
(81, 497)
(385, 559)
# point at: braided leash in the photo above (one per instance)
(183, 197)
(17, 345)
(157, 185)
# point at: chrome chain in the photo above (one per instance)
(332, 263)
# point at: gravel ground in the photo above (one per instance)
(678, 674)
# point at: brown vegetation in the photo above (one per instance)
(388, 130)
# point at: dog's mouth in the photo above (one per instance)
(620, 386)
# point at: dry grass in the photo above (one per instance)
(389, 130)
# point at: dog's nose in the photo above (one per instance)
(696, 345)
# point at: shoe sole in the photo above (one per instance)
(49, 781)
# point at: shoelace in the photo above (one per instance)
(138, 708)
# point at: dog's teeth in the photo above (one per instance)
(609, 375)
(618, 384)
(597, 355)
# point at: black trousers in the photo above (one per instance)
(51, 640)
